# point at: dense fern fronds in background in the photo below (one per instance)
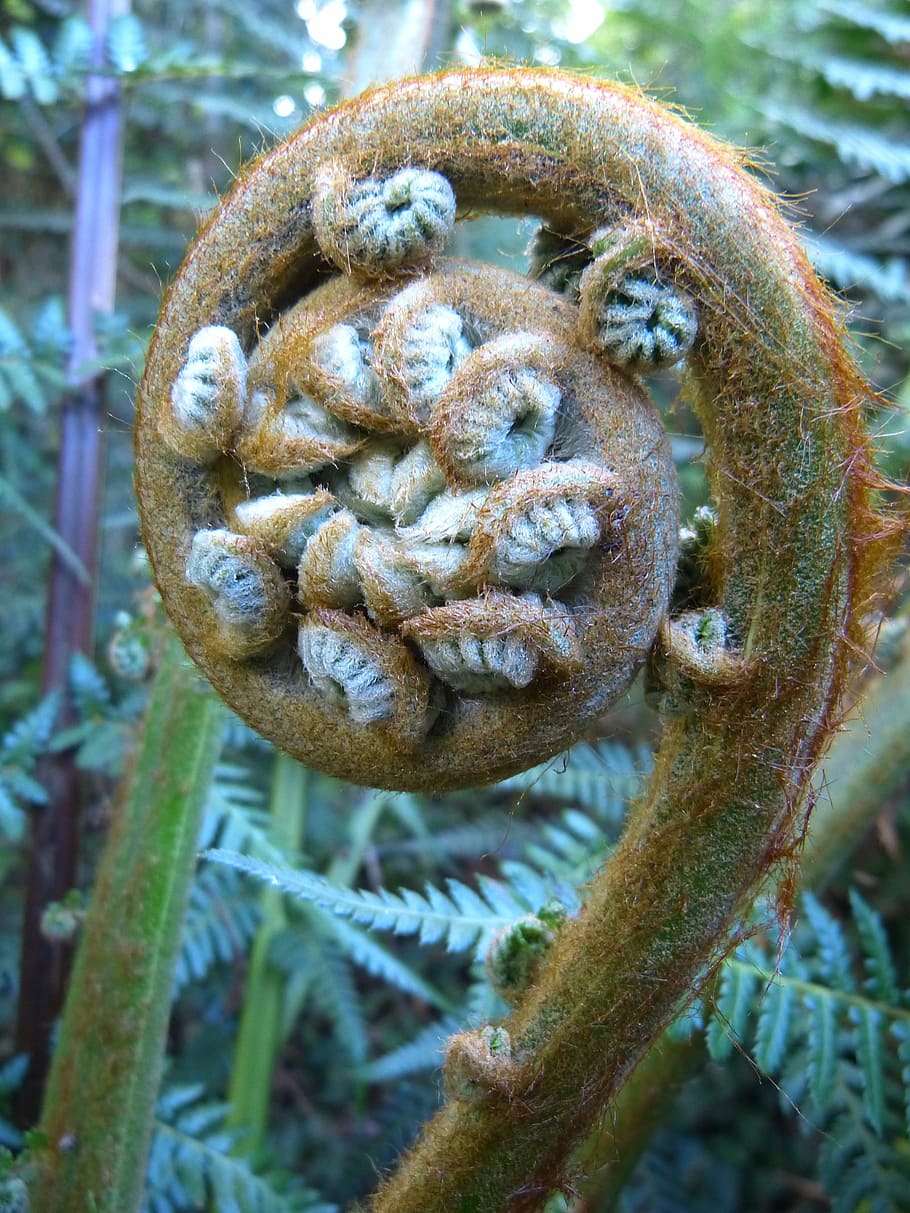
(829, 1023)
(194, 1164)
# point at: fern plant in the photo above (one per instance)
(830, 1022)
(194, 1164)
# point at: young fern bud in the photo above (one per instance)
(496, 641)
(630, 311)
(684, 239)
(284, 523)
(247, 594)
(535, 532)
(497, 414)
(557, 261)
(374, 227)
(419, 350)
(515, 955)
(342, 370)
(443, 482)
(479, 1065)
(206, 403)
(394, 588)
(364, 674)
(280, 436)
(327, 575)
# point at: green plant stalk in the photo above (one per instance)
(260, 1034)
(100, 1101)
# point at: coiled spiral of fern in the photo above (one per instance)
(417, 520)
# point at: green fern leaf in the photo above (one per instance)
(35, 64)
(72, 48)
(846, 270)
(377, 961)
(856, 145)
(601, 779)
(17, 377)
(822, 1051)
(336, 993)
(732, 1005)
(460, 919)
(832, 956)
(773, 1028)
(220, 923)
(12, 78)
(869, 1053)
(893, 27)
(126, 45)
(881, 979)
(191, 1165)
(423, 1053)
(863, 78)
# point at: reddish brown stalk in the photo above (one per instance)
(70, 604)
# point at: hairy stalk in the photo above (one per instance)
(69, 621)
(100, 1102)
(866, 761)
(259, 1036)
(751, 680)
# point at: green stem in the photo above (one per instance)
(101, 1095)
(260, 1033)
(862, 768)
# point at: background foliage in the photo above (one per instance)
(306, 1028)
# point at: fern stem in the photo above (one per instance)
(863, 766)
(260, 1033)
(104, 1080)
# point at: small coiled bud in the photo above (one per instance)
(327, 575)
(515, 955)
(394, 588)
(557, 261)
(419, 347)
(479, 1064)
(496, 641)
(439, 565)
(285, 523)
(373, 227)
(342, 372)
(370, 675)
(416, 480)
(207, 399)
(451, 517)
(498, 413)
(129, 650)
(536, 531)
(244, 588)
(296, 436)
(629, 310)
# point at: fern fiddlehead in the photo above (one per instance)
(473, 589)
(461, 521)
